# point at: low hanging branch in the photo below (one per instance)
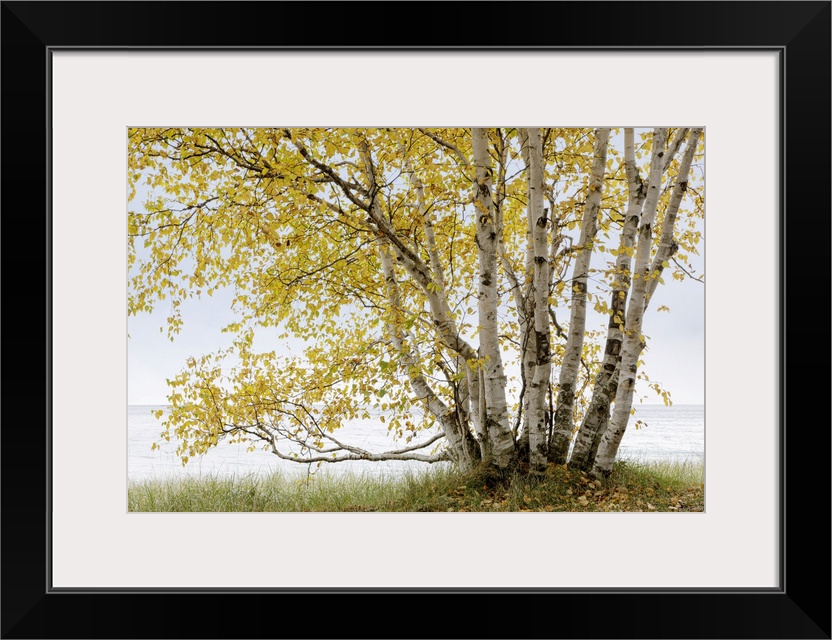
(341, 452)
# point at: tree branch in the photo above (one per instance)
(451, 147)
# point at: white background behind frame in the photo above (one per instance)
(97, 95)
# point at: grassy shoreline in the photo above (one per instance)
(633, 487)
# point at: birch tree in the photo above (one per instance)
(644, 275)
(562, 434)
(443, 277)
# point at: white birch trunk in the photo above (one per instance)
(521, 304)
(606, 382)
(562, 431)
(431, 281)
(446, 328)
(525, 314)
(667, 246)
(633, 340)
(673, 147)
(596, 420)
(473, 380)
(459, 445)
(467, 406)
(421, 273)
(427, 226)
(524, 152)
(537, 384)
(495, 416)
(529, 357)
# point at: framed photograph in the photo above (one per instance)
(77, 76)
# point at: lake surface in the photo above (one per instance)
(674, 433)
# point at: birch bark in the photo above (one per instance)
(460, 447)
(596, 417)
(431, 280)
(667, 246)
(525, 312)
(493, 377)
(562, 431)
(538, 383)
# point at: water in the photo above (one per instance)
(672, 434)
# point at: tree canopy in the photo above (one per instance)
(440, 276)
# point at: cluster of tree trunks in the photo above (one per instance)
(409, 225)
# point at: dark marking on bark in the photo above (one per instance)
(683, 186)
(633, 367)
(541, 221)
(539, 259)
(660, 154)
(485, 278)
(523, 450)
(613, 348)
(539, 469)
(544, 355)
(602, 473)
(492, 235)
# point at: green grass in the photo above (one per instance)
(631, 487)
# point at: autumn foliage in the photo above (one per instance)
(440, 278)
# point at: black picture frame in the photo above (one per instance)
(799, 608)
